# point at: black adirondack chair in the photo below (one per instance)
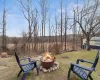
(83, 72)
(25, 68)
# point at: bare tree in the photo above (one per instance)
(15, 42)
(49, 33)
(24, 39)
(74, 31)
(61, 20)
(66, 19)
(44, 10)
(28, 12)
(4, 29)
(35, 32)
(88, 19)
(56, 24)
(49, 30)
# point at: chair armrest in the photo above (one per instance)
(25, 59)
(85, 68)
(81, 60)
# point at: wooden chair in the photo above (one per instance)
(83, 72)
(25, 68)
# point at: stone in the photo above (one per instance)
(49, 70)
(56, 63)
(57, 67)
(53, 68)
(40, 67)
(4, 55)
(44, 70)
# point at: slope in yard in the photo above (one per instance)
(11, 69)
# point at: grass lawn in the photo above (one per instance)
(11, 68)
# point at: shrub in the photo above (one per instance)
(56, 48)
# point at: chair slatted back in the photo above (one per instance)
(96, 60)
(17, 58)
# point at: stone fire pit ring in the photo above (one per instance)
(53, 68)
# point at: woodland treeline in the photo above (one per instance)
(85, 23)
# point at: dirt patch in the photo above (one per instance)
(4, 64)
(3, 67)
(65, 57)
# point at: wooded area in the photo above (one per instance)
(83, 24)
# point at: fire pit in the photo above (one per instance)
(48, 63)
(47, 60)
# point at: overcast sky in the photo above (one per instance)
(16, 21)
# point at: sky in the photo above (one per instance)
(16, 22)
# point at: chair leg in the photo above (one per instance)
(68, 77)
(37, 69)
(90, 78)
(19, 73)
(24, 75)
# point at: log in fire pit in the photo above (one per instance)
(47, 60)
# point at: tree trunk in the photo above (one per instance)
(88, 43)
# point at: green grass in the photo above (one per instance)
(64, 59)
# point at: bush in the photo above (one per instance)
(56, 48)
